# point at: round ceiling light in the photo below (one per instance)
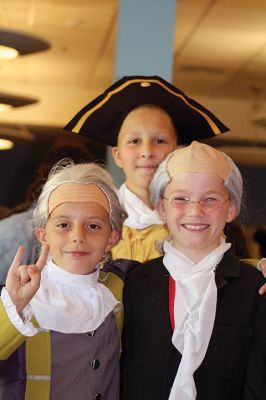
(6, 144)
(8, 53)
(23, 43)
(5, 107)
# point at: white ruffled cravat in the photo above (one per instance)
(140, 216)
(71, 303)
(194, 312)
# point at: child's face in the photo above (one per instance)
(196, 231)
(78, 235)
(146, 136)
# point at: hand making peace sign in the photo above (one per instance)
(23, 281)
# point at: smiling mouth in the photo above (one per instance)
(78, 253)
(198, 227)
(147, 166)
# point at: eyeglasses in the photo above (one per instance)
(208, 204)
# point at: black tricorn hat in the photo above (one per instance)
(101, 119)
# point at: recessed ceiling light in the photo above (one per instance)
(5, 107)
(8, 53)
(23, 43)
(6, 144)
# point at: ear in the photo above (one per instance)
(161, 210)
(116, 156)
(113, 239)
(41, 235)
(232, 211)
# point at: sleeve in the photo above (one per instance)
(21, 322)
(10, 338)
(259, 264)
(255, 382)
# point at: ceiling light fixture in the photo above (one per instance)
(14, 43)
(6, 144)
(5, 107)
(8, 53)
(8, 101)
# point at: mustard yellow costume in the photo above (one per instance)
(140, 244)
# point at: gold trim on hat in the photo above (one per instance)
(82, 120)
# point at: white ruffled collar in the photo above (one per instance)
(58, 274)
(140, 216)
(71, 303)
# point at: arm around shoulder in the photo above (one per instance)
(261, 266)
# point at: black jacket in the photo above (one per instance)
(234, 367)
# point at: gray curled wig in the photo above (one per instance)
(66, 171)
(161, 178)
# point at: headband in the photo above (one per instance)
(78, 193)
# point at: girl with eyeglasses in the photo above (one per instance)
(194, 321)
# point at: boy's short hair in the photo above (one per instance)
(102, 118)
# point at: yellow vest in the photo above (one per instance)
(140, 244)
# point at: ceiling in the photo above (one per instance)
(219, 58)
(220, 47)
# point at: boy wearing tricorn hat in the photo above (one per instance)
(194, 323)
(143, 118)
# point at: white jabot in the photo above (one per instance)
(71, 303)
(140, 216)
(194, 312)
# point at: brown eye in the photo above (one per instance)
(135, 141)
(94, 227)
(62, 225)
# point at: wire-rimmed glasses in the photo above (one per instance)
(208, 204)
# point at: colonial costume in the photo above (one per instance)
(65, 343)
(234, 366)
(73, 350)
